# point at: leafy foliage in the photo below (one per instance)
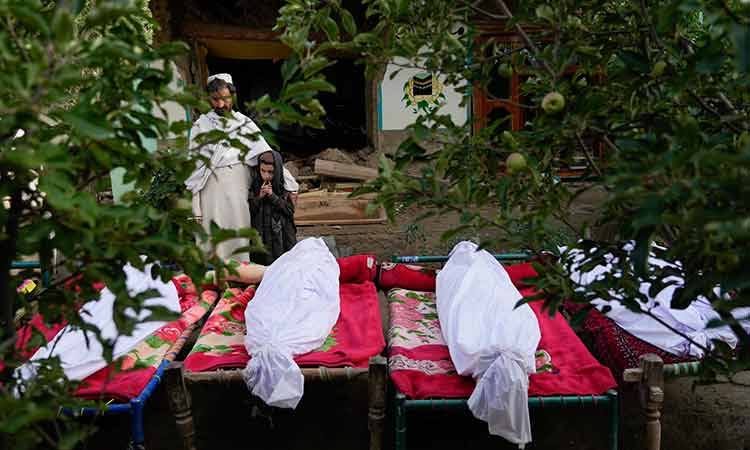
(661, 85)
(79, 88)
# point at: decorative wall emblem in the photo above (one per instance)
(423, 92)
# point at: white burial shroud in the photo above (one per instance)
(691, 321)
(80, 353)
(489, 338)
(292, 313)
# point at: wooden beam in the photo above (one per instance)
(255, 49)
(334, 374)
(200, 30)
(340, 170)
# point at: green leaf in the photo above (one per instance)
(421, 132)
(289, 67)
(63, 26)
(347, 20)
(32, 20)
(331, 29)
(453, 232)
(635, 61)
(89, 125)
(301, 88)
(71, 438)
(172, 49)
(78, 6)
(740, 35)
(365, 38)
(30, 415)
(315, 65)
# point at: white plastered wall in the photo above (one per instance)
(394, 114)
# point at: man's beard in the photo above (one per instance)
(222, 111)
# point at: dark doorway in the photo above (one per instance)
(345, 122)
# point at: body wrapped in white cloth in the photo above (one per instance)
(293, 311)
(80, 352)
(489, 338)
(692, 322)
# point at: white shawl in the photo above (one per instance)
(222, 154)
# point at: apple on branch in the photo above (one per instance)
(515, 162)
(553, 102)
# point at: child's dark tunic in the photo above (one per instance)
(273, 217)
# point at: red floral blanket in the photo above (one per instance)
(126, 377)
(420, 364)
(356, 336)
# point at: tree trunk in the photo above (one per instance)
(7, 254)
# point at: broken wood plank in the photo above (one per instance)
(374, 221)
(321, 207)
(314, 193)
(344, 187)
(340, 170)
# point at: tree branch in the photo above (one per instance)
(561, 217)
(649, 23)
(587, 154)
(605, 138)
(525, 38)
(709, 109)
(482, 11)
(16, 39)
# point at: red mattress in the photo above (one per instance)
(615, 347)
(356, 336)
(126, 377)
(420, 364)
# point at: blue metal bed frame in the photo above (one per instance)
(134, 407)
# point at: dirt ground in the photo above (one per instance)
(404, 237)
(332, 417)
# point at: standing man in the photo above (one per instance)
(220, 189)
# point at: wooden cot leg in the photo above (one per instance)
(400, 413)
(651, 396)
(179, 403)
(376, 386)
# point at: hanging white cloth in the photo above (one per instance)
(691, 321)
(489, 338)
(293, 311)
(70, 344)
(223, 200)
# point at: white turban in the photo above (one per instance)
(222, 76)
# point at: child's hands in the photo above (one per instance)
(266, 189)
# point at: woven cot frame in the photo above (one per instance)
(608, 402)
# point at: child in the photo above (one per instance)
(271, 208)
